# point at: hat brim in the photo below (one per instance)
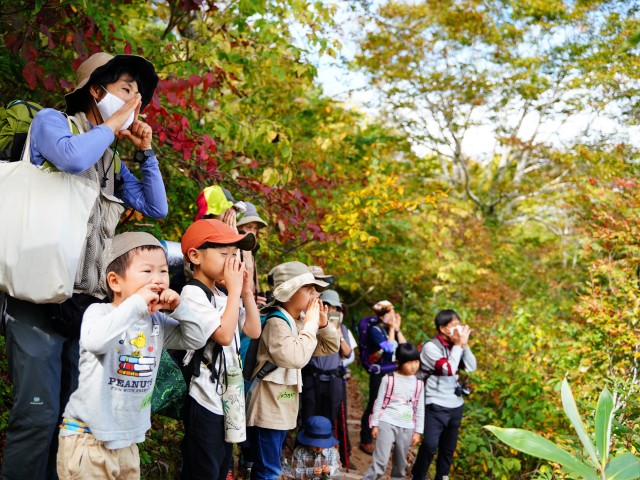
(333, 304)
(304, 439)
(251, 219)
(77, 100)
(246, 241)
(286, 296)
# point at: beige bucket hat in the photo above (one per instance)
(287, 278)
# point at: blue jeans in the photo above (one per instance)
(267, 449)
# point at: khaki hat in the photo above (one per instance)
(251, 215)
(123, 243)
(215, 231)
(101, 62)
(331, 297)
(318, 272)
(288, 278)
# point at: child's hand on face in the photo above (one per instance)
(324, 315)
(233, 275)
(247, 282)
(249, 262)
(230, 218)
(312, 312)
(151, 294)
(415, 440)
(169, 300)
(374, 432)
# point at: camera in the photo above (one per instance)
(463, 389)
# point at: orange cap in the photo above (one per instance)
(215, 231)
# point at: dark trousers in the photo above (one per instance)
(441, 426)
(374, 384)
(43, 367)
(267, 449)
(205, 454)
(321, 397)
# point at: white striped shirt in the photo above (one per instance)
(400, 411)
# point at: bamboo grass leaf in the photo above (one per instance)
(604, 412)
(538, 446)
(571, 409)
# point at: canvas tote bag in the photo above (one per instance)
(43, 226)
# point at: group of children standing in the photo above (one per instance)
(121, 342)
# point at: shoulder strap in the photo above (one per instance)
(198, 355)
(279, 314)
(416, 398)
(74, 128)
(205, 289)
(267, 367)
(391, 377)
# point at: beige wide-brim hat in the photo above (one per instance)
(288, 278)
(102, 62)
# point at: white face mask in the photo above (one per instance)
(109, 105)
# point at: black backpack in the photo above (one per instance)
(217, 366)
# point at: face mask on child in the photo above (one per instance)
(109, 105)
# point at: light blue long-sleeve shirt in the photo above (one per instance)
(52, 140)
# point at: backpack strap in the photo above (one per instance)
(425, 374)
(391, 380)
(198, 355)
(270, 367)
(388, 393)
(267, 367)
(416, 398)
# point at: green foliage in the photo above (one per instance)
(535, 244)
(596, 464)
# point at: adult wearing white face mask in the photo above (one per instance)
(42, 340)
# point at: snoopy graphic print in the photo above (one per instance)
(137, 357)
(120, 349)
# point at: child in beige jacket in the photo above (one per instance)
(296, 328)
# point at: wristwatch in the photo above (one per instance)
(141, 155)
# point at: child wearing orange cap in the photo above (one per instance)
(212, 250)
